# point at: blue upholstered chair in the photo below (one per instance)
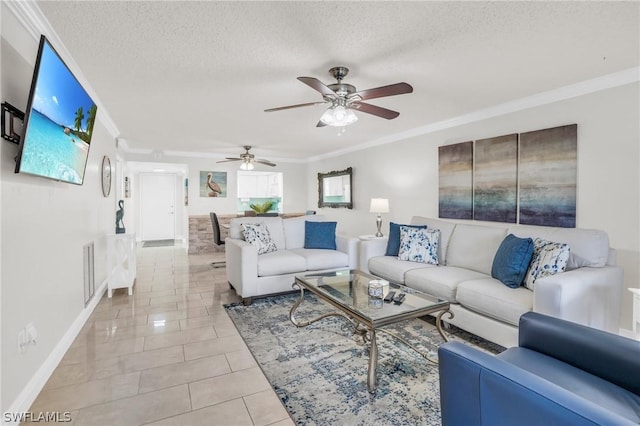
(561, 373)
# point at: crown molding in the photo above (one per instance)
(608, 81)
(33, 20)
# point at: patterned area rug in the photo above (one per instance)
(158, 243)
(320, 372)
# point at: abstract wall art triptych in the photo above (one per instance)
(527, 178)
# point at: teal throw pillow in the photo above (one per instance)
(320, 235)
(512, 260)
(393, 243)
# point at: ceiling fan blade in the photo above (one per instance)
(293, 106)
(316, 84)
(321, 124)
(228, 159)
(380, 92)
(266, 162)
(375, 110)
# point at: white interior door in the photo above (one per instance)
(157, 206)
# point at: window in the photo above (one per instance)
(258, 188)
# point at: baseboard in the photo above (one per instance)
(30, 392)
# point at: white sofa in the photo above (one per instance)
(589, 292)
(253, 275)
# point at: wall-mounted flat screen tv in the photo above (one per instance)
(58, 122)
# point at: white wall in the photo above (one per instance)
(44, 227)
(294, 179)
(608, 195)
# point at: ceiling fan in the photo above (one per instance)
(247, 159)
(344, 99)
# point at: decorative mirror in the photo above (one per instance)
(334, 189)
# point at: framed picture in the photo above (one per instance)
(495, 190)
(456, 181)
(548, 163)
(213, 184)
(186, 191)
(127, 187)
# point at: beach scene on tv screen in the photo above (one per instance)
(60, 125)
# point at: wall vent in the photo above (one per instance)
(89, 272)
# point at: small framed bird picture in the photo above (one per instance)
(213, 184)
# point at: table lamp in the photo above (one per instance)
(379, 205)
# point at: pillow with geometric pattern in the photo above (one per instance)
(549, 258)
(257, 234)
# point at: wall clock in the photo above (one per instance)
(106, 176)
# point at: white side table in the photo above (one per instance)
(371, 237)
(636, 309)
(121, 262)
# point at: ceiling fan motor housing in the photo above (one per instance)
(342, 89)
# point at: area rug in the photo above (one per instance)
(320, 372)
(158, 243)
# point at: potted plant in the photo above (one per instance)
(261, 207)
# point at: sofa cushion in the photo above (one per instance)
(440, 281)
(280, 262)
(257, 234)
(392, 269)
(490, 297)
(598, 391)
(589, 247)
(512, 260)
(294, 229)
(274, 224)
(393, 243)
(474, 247)
(419, 245)
(446, 229)
(549, 258)
(317, 259)
(320, 235)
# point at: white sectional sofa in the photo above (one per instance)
(589, 292)
(252, 275)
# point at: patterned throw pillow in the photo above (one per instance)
(257, 234)
(549, 258)
(393, 243)
(419, 245)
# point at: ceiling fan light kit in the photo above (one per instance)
(344, 99)
(338, 116)
(246, 165)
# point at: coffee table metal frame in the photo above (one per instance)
(364, 324)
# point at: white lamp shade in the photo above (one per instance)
(338, 116)
(379, 205)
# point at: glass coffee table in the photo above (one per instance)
(348, 292)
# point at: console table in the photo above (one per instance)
(120, 262)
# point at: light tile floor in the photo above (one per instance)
(167, 355)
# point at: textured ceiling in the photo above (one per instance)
(196, 76)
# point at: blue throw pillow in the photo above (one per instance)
(512, 260)
(320, 235)
(393, 243)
